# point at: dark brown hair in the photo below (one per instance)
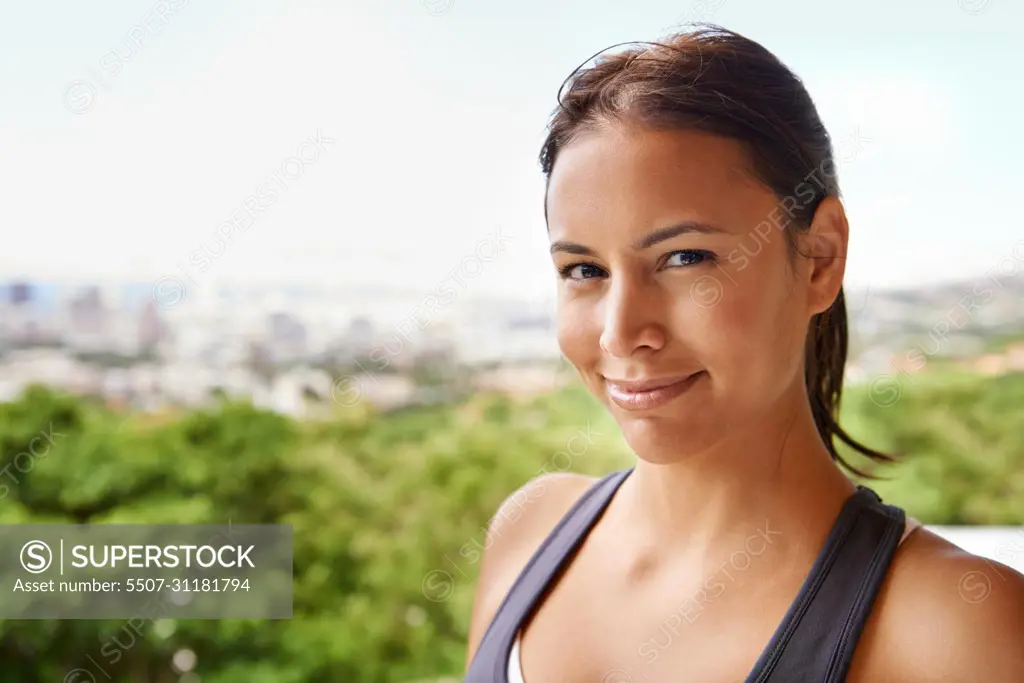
(716, 81)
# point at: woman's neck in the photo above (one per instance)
(775, 472)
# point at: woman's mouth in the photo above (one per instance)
(648, 394)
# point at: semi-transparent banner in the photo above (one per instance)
(145, 571)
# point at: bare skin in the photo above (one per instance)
(733, 486)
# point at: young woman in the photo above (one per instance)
(696, 226)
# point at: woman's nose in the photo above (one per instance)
(631, 322)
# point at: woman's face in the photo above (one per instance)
(673, 271)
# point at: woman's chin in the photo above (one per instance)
(665, 440)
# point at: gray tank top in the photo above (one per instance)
(816, 639)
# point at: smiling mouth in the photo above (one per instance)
(649, 394)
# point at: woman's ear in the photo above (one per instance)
(825, 246)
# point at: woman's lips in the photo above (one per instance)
(648, 394)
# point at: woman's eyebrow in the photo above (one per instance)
(571, 248)
(671, 231)
(647, 241)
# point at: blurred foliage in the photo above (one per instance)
(390, 512)
(960, 440)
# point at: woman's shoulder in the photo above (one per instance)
(520, 525)
(529, 514)
(944, 614)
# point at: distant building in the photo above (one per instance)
(50, 367)
(152, 330)
(292, 392)
(1015, 356)
(361, 335)
(523, 380)
(23, 323)
(287, 336)
(87, 321)
(1010, 360)
(20, 293)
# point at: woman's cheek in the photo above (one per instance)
(577, 334)
(728, 336)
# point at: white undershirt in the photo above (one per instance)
(515, 666)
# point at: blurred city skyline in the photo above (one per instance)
(379, 144)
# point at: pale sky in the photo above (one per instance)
(122, 158)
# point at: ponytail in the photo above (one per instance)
(825, 361)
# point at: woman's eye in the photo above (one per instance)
(676, 259)
(688, 257)
(580, 271)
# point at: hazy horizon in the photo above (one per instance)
(130, 146)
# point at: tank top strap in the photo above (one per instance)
(816, 639)
(491, 659)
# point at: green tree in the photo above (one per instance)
(390, 512)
